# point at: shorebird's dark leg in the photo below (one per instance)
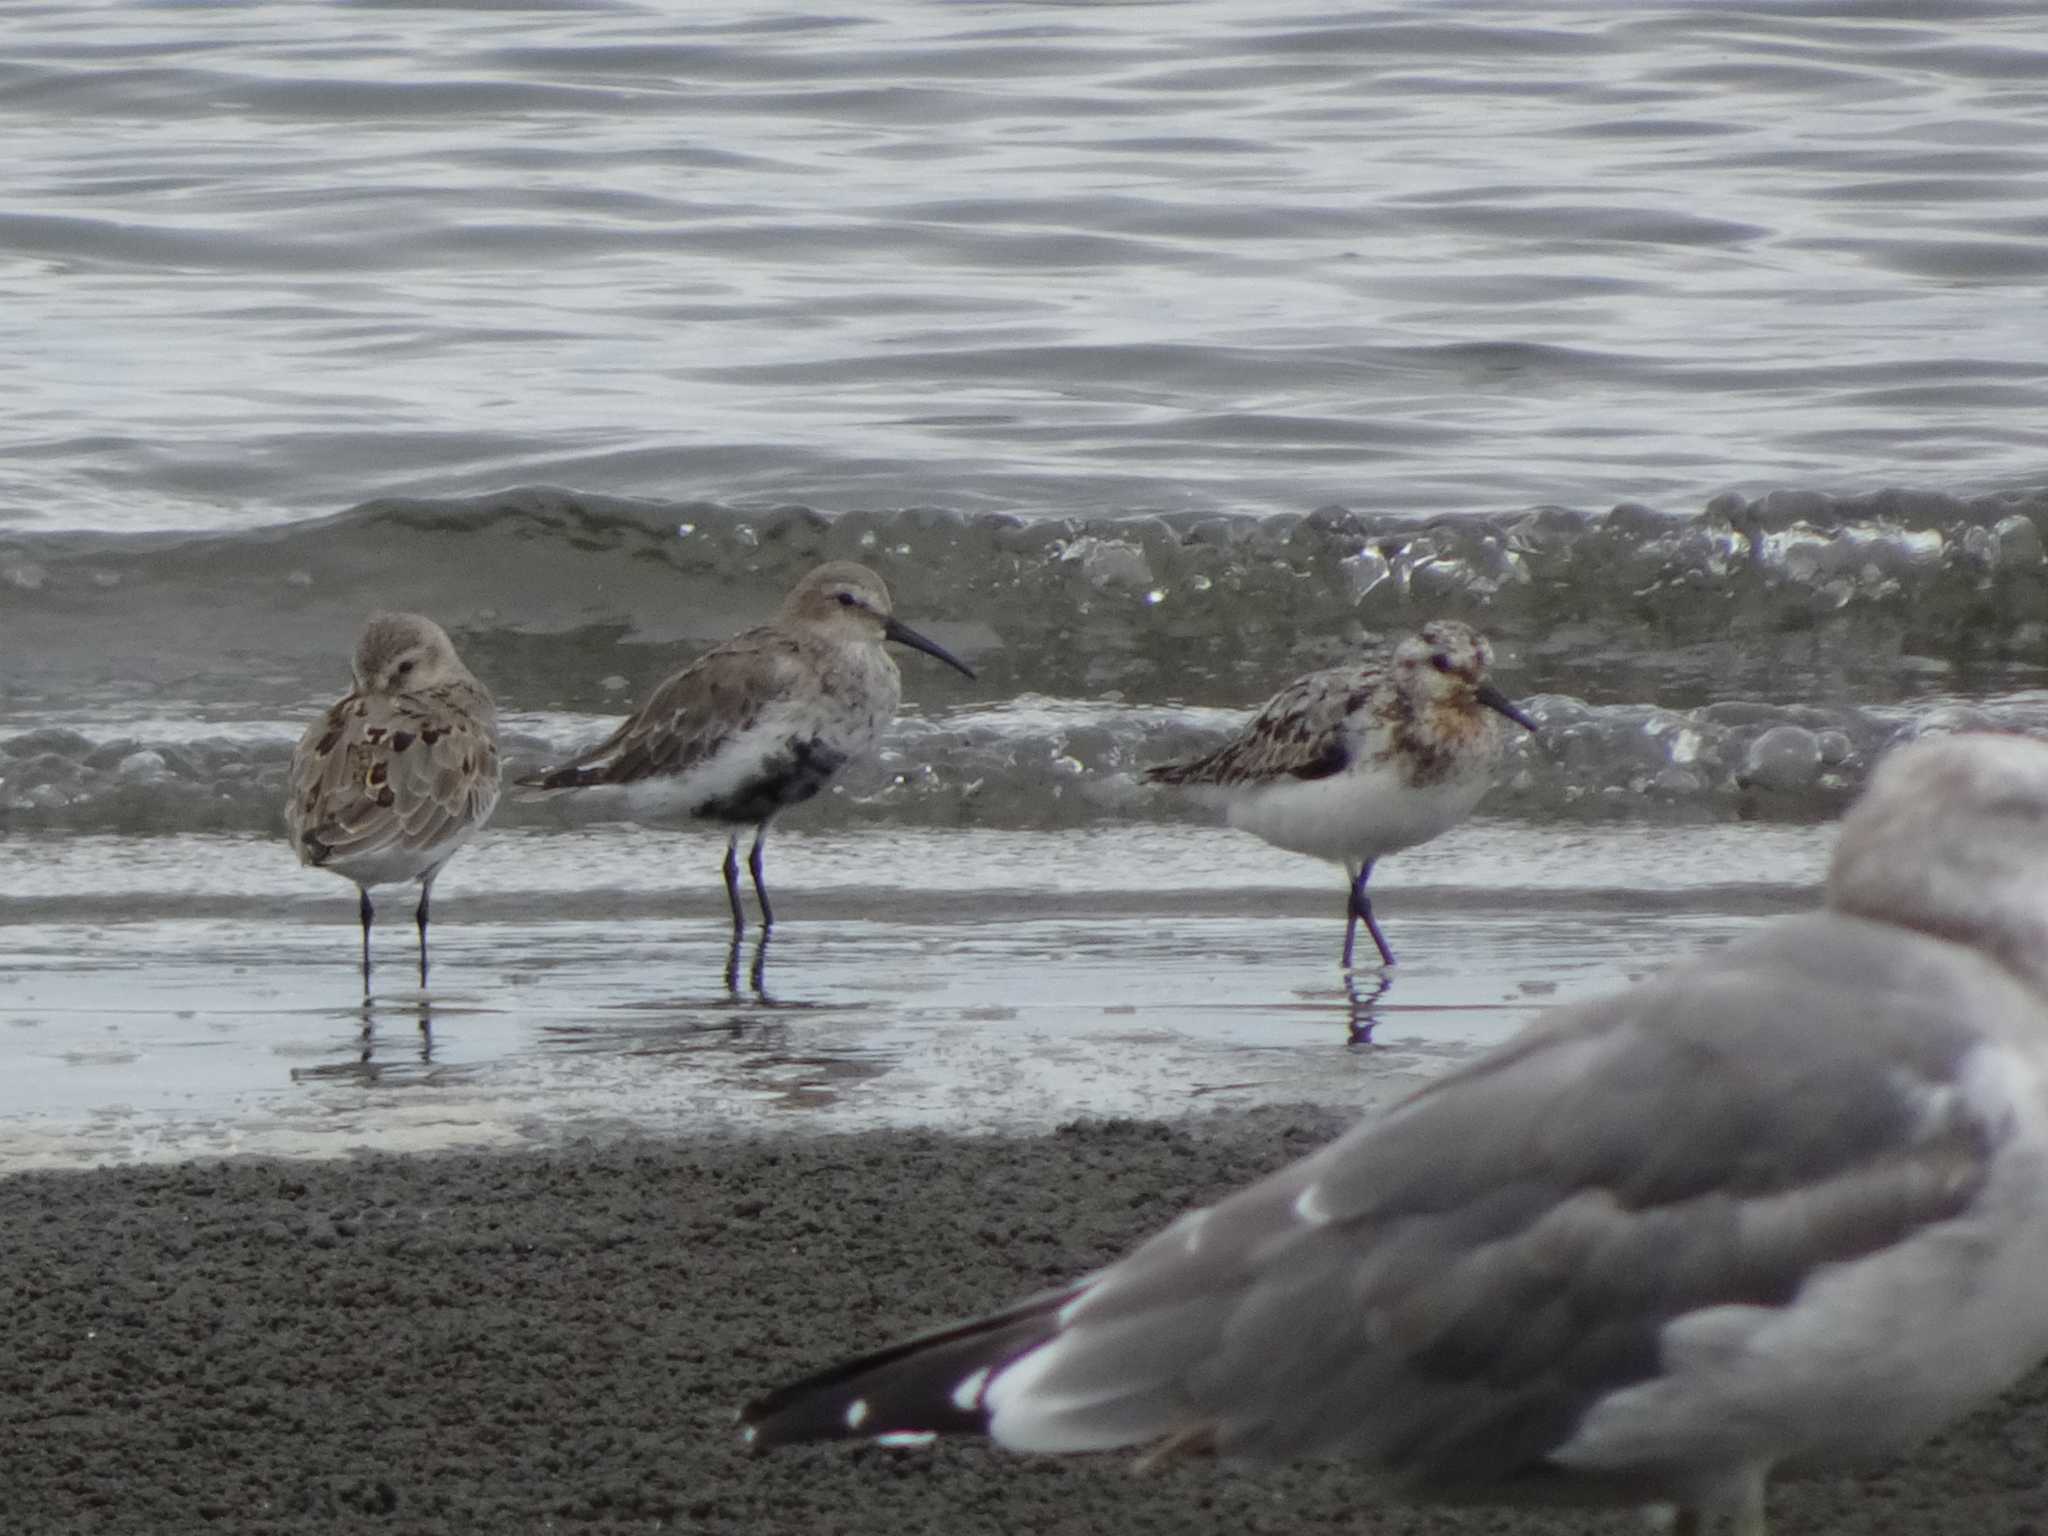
(419, 917)
(1361, 911)
(366, 912)
(732, 886)
(760, 966)
(1351, 914)
(754, 868)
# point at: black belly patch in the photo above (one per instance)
(790, 777)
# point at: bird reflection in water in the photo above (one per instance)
(1363, 991)
(365, 1066)
(756, 972)
(420, 1006)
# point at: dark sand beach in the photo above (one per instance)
(557, 1341)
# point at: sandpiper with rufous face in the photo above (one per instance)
(1354, 763)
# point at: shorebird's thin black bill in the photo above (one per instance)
(903, 634)
(1495, 700)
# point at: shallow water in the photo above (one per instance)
(202, 999)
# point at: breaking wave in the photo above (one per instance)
(1753, 657)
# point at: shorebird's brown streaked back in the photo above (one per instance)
(394, 778)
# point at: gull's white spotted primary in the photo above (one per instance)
(1358, 762)
(1780, 1210)
(394, 778)
(763, 721)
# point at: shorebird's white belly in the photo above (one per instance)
(1360, 814)
(397, 864)
(748, 755)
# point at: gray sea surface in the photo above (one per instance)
(264, 261)
(1155, 353)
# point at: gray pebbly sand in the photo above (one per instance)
(556, 1342)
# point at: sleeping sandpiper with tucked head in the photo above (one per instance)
(1359, 762)
(764, 721)
(402, 772)
(1777, 1211)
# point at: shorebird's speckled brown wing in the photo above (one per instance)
(687, 720)
(378, 773)
(1300, 734)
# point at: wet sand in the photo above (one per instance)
(556, 1341)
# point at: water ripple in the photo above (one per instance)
(259, 261)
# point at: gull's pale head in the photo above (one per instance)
(1951, 838)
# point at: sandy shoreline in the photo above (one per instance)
(556, 1341)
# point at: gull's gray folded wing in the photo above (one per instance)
(1445, 1292)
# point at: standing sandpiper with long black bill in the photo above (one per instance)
(391, 780)
(1359, 762)
(762, 722)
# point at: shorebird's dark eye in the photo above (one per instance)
(404, 667)
(848, 600)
